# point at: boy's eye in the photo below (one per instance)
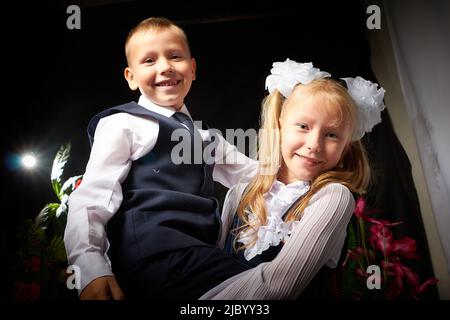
(176, 56)
(149, 60)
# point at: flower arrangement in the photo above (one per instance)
(375, 266)
(41, 256)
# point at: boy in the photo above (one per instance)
(160, 218)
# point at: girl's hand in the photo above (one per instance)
(102, 288)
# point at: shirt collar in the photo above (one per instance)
(165, 111)
(293, 185)
(291, 190)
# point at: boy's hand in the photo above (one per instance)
(102, 288)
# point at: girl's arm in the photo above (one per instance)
(230, 206)
(315, 240)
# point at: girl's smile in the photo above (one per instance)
(309, 161)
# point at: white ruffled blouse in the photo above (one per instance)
(316, 240)
(278, 199)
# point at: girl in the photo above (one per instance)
(291, 219)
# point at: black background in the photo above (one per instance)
(56, 79)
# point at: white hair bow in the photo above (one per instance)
(286, 75)
(369, 99)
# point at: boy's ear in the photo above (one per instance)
(129, 76)
(194, 67)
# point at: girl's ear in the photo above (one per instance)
(129, 76)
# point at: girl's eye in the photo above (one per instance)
(149, 60)
(332, 135)
(302, 126)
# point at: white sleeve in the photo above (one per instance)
(230, 206)
(232, 166)
(99, 195)
(314, 241)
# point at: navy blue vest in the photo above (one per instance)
(165, 206)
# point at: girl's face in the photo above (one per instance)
(312, 138)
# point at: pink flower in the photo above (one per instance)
(378, 247)
(360, 213)
(400, 271)
(381, 238)
(405, 247)
(424, 287)
(360, 208)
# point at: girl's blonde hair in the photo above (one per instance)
(352, 169)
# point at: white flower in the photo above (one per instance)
(369, 100)
(62, 209)
(286, 75)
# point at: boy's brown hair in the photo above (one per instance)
(155, 24)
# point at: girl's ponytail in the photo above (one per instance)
(269, 156)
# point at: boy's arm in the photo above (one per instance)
(232, 166)
(96, 200)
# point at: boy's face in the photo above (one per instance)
(160, 66)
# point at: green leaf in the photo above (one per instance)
(46, 215)
(58, 249)
(58, 167)
(352, 239)
(43, 238)
(350, 283)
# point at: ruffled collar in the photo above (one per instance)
(278, 200)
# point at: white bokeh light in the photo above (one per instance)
(29, 161)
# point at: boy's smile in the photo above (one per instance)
(160, 66)
(168, 83)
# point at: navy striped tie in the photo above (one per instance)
(184, 119)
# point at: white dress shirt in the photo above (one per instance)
(119, 140)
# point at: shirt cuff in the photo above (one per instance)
(91, 265)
